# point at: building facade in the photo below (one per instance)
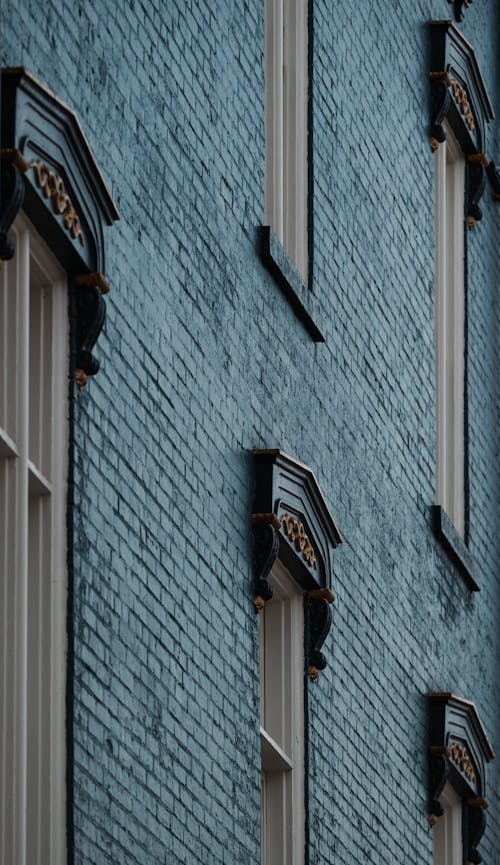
(249, 468)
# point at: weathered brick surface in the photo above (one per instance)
(202, 360)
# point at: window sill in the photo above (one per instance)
(273, 757)
(456, 548)
(299, 296)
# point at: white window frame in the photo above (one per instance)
(447, 831)
(282, 722)
(450, 330)
(286, 168)
(33, 583)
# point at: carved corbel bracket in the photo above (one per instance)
(438, 776)
(475, 822)
(441, 100)
(91, 315)
(475, 180)
(12, 167)
(266, 549)
(319, 623)
(458, 752)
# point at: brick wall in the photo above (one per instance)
(203, 360)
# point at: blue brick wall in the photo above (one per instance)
(203, 360)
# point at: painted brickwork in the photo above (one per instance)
(203, 360)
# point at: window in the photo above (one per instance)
(459, 751)
(285, 198)
(450, 331)
(53, 210)
(460, 110)
(294, 536)
(33, 474)
(282, 722)
(448, 830)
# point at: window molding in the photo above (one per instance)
(292, 524)
(460, 113)
(459, 750)
(450, 334)
(300, 297)
(455, 547)
(48, 169)
(286, 40)
(294, 536)
(282, 728)
(286, 238)
(447, 830)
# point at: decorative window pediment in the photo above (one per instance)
(465, 104)
(459, 97)
(292, 523)
(459, 6)
(458, 753)
(47, 168)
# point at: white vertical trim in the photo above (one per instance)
(58, 595)
(286, 170)
(295, 134)
(441, 247)
(450, 330)
(21, 554)
(447, 831)
(8, 528)
(273, 190)
(282, 720)
(456, 181)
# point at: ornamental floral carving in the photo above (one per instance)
(295, 531)
(461, 98)
(459, 755)
(52, 187)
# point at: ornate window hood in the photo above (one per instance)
(292, 522)
(47, 168)
(468, 108)
(458, 6)
(458, 753)
(459, 97)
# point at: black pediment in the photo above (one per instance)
(292, 523)
(307, 534)
(458, 88)
(64, 193)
